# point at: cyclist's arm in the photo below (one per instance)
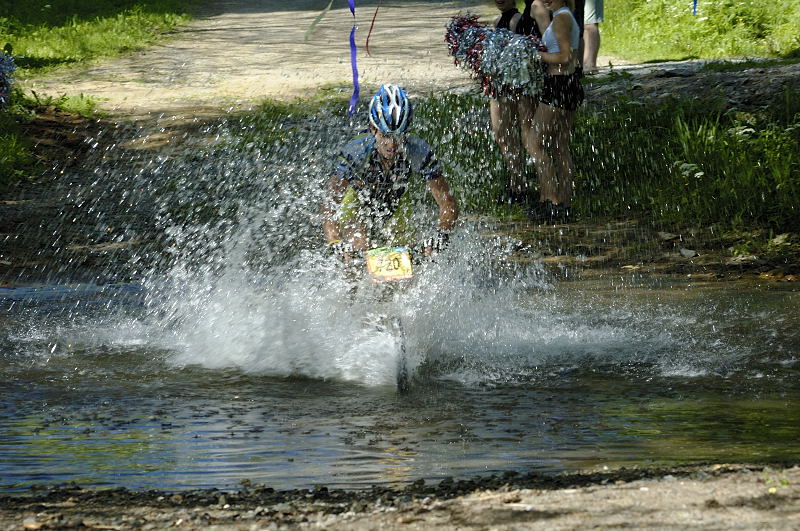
(336, 190)
(448, 210)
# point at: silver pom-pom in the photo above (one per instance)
(504, 62)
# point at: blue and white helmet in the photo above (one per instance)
(389, 110)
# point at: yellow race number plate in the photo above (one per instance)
(389, 263)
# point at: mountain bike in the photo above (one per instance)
(391, 270)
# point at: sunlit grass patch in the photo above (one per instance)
(14, 155)
(44, 34)
(644, 30)
(62, 32)
(274, 120)
(16, 160)
(738, 66)
(682, 161)
(80, 104)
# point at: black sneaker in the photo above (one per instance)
(548, 212)
(511, 196)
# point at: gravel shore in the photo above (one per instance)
(696, 497)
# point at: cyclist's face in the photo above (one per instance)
(388, 145)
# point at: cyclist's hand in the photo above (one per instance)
(341, 250)
(436, 244)
(352, 259)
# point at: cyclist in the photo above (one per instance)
(366, 201)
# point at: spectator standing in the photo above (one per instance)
(591, 35)
(512, 114)
(554, 117)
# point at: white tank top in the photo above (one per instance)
(549, 38)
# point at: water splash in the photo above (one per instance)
(235, 278)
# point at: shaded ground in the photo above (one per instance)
(236, 54)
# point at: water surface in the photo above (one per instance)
(131, 385)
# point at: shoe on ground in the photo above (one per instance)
(549, 212)
(511, 196)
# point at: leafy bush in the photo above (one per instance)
(691, 162)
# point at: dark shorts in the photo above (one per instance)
(564, 92)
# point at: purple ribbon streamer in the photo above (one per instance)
(356, 89)
(353, 63)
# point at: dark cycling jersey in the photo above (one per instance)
(360, 166)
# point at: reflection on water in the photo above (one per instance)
(512, 375)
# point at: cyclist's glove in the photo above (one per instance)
(439, 242)
(340, 249)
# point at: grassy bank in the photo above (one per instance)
(678, 162)
(692, 162)
(645, 30)
(51, 33)
(16, 160)
(46, 34)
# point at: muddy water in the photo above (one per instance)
(130, 385)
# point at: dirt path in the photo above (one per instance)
(703, 497)
(239, 51)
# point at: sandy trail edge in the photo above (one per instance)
(239, 52)
(701, 497)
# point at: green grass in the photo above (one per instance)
(690, 161)
(16, 161)
(52, 33)
(79, 104)
(680, 162)
(266, 123)
(647, 30)
(15, 158)
(738, 66)
(46, 34)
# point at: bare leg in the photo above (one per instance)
(538, 142)
(355, 233)
(503, 114)
(526, 109)
(562, 155)
(591, 46)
